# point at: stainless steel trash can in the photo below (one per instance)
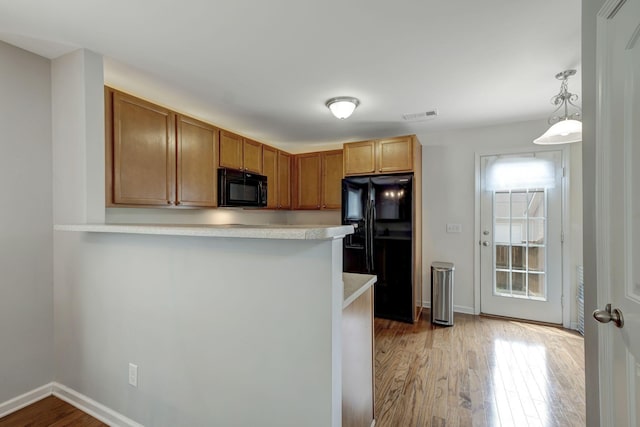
(442, 293)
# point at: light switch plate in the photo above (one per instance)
(454, 228)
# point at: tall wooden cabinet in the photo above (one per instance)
(318, 180)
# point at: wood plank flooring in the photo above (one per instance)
(480, 372)
(50, 412)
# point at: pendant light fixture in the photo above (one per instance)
(568, 127)
(342, 106)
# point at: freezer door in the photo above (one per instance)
(356, 195)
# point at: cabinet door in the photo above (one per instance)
(309, 186)
(395, 154)
(252, 156)
(360, 158)
(284, 180)
(197, 163)
(230, 150)
(270, 170)
(143, 153)
(332, 179)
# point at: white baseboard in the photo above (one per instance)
(574, 326)
(456, 308)
(72, 397)
(26, 399)
(91, 407)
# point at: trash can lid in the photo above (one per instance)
(443, 265)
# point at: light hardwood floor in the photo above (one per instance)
(50, 412)
(480, 372)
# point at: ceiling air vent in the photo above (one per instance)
(419, 117)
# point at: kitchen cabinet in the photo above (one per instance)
(332, 179)
(276, 166)
(196, 163)
(240, 153)
(357, 362)
(284, 180)
(380, 156)
(156, 157)
(318, 177)
(140, 151)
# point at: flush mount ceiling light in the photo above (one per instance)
(342, 106)
(568, 127)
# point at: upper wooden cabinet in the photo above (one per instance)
(318, 180)
(196, 163)
(360, 158)
(156, 157)
(270, 170)
(252, 156)
(230, 150)
(276, 166)
(332, 179)
(141, 151)
(240, 153)
(308, 181)
(380, 156)
(284, 180)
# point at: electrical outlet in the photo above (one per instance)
(133, 375)
(454, 228)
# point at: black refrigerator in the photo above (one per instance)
(380, 209)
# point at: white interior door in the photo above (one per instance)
(618, 209)
(521, 236)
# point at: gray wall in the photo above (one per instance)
(26, 289)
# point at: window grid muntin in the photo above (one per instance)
(527, 245)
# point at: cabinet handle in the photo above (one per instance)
(168, 202)
(177, 203)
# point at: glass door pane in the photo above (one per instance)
(520, 230)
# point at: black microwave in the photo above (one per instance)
(237, 188)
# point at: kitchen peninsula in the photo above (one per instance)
(229, 325)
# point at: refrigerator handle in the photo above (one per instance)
(366, 239)
(372, 213)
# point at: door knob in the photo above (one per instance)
(606, 316)
(486, 243)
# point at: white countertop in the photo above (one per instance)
(354, 285)
(241, 231)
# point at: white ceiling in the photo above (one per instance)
(265, 68)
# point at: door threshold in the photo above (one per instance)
(515, 319)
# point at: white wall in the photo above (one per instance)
(449, 197)
(26, 285)
(225, 332)
(78, 138)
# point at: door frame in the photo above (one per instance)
(566, 300)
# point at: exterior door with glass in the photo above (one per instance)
(521, 236)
